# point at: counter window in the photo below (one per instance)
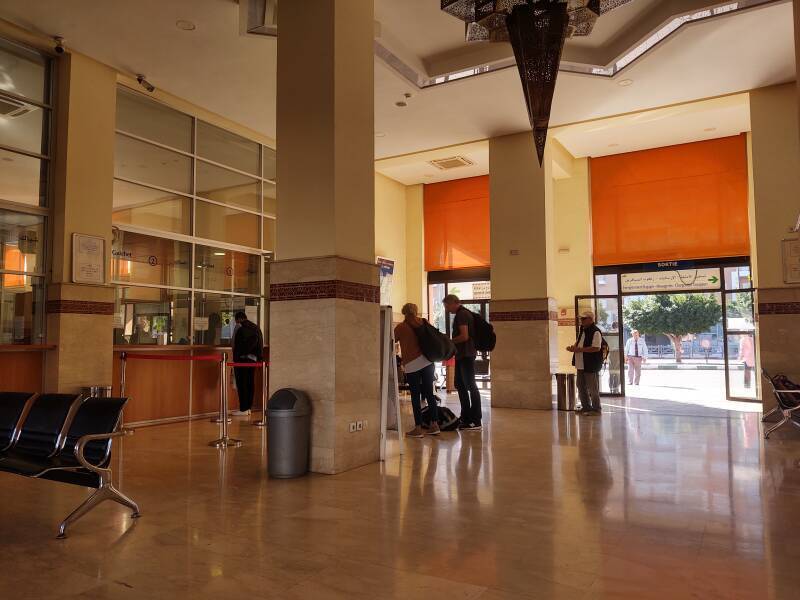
(145, 315)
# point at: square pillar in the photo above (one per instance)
(324, 294)
(523, 310)
(79, 317)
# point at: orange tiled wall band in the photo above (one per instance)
(675, 203)
(457, 224)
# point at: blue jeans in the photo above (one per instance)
(421, 385)
(468, 393)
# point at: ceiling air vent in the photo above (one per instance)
(14, 108)
(454, 162)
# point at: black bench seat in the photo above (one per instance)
(64, 438)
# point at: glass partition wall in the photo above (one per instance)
(25, 118)
(194, 226)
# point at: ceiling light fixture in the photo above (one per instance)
(219, 254)
(185, 25)
(625, 82)
(380, 134)
(537, 30)
(613, 145)
(710, 129)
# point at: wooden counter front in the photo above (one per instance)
(160, 390)
(22, 367)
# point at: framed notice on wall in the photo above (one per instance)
(791, 261)
(88, 259)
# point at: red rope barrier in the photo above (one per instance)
(204, 357)
(235, 364)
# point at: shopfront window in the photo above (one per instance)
(24, 167)
(194, 223)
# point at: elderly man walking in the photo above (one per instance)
(635, 355)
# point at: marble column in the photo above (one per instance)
(79, 317)
(324, 322)
(523, 309)
(775, 179)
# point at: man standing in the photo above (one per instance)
(588, 360)
(635, 355)
(463, 338)
(248, 346)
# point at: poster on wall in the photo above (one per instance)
(386, 269)
(88, 259)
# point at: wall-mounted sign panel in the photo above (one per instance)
(88, 259)
(670, 281)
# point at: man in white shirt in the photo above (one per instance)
(588, 360)
(635, 355)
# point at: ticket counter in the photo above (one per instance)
(162, 391)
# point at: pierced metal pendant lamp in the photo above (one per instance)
(537, 30)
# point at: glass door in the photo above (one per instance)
(740, 346)
(608, 317)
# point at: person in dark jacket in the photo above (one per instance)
(248, 346)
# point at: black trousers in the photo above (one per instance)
(245, 384)
(468, 393)
(421, 385)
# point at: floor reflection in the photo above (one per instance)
(648, 501)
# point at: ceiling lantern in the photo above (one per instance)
(537, 30)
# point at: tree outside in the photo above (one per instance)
(673, 315)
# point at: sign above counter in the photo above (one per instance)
(671, 281)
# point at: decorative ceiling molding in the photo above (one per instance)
(642, 47)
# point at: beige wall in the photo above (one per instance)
(775, 149)
(416, 277)
(573, 246)
(399, 235)
(390, 233)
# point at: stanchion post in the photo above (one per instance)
(123, 359)
(264, 389)
(224, 441)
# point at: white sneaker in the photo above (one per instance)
(241, 413)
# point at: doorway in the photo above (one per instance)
(474, 291)
(695, 326)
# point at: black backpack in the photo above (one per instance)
(485, 337)
(447, 420)
(435, 345)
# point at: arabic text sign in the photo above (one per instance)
(668, 281)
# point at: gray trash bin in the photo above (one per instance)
(565, 386)
(288, 433)
(97, 391)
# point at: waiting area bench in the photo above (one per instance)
(66, 438)
(787, 398)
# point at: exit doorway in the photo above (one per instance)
(696, 325)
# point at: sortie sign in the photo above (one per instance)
(671, 281)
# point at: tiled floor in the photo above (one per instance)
(643, 502)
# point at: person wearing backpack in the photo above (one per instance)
(588, 360)
(466, 352)
(419, 372)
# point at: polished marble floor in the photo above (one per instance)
(647, 501)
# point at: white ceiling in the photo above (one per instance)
(681, 124)
(234, 76)
(412, 169)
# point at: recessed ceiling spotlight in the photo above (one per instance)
(710, 129)
(401, 104)
(380, 134)
(613, 145)
(625, 82)
(185, 25)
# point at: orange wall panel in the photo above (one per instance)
(457, 224)
(676, 203)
